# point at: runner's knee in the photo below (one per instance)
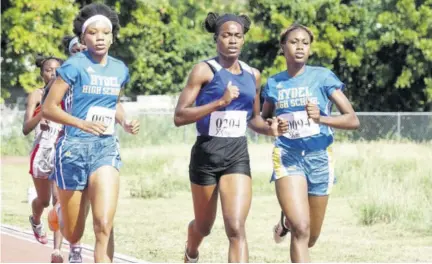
(71, 235)
(102, 226)
(45, 203)
(204, 229)
(301, 229)
(235, 228)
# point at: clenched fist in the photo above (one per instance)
(313, 111)
(231, 93)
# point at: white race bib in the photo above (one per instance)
(49, 137)
(104, 115)
(300, 125)
(228, 123)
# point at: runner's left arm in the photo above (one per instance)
(348, 118)
(120, 114)
(131, 126)
(267, 110)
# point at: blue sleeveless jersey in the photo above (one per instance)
(93, 90)
(214, 90)
(289, 96)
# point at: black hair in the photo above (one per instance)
(65, 43)
(96, 9)
(213, 22)
(40, 61)
(285, 33)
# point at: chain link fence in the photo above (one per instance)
(415, 126)
(158, 128)
(412, 126)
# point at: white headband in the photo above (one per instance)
(95, 18)
(72, 43)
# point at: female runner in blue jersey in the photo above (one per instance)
(226, 95)
(87, 156)
(302, 159)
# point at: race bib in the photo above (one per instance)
(228, 123)
(300, 125)
(43, 163)
(49, 137)
(104, 115)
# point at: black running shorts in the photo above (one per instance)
(213, 157)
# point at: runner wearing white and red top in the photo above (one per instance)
(42, 153)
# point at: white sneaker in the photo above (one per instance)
(75, 254)
(280, 231)
(38, 231)
(56, 256)
(188, 259)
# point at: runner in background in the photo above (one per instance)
(72, 45)
(42, 154)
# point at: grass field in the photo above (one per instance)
(380, 209)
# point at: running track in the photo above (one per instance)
(20, 246)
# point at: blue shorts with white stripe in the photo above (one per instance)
(78, 158)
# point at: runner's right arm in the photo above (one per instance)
(185, 113)
(30, 121)
(51, 110)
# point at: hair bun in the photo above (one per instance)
(40, 61)
(246, 23)
(210, 22)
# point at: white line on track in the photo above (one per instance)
(87, 251)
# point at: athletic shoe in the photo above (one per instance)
(38, 231)
(56, 256)
(75, 254)
(188, 259)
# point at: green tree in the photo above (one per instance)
(375, 47)
(382, 49)
(337, 29)
(161, 42)
(401, 56)
(30, 28)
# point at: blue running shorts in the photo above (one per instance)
(77, 158)
(316, 166)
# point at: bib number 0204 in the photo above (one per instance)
(228, 123)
